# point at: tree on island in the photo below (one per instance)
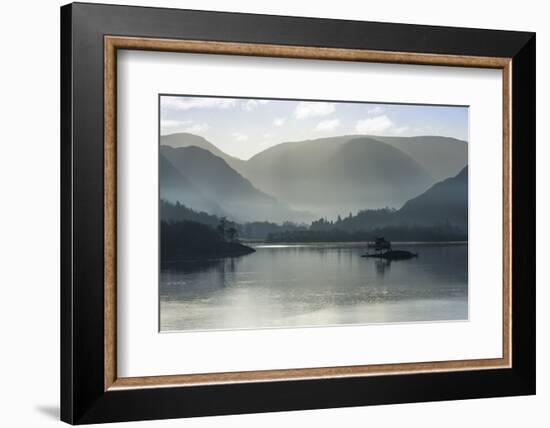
(221, 227)
(231, 234)
(226, 231)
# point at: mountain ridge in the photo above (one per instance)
(422, 148)
(353, 171)
(217, 181)
(446, 200)
(186, 139)
(333, 172)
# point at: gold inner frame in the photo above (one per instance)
(113, 43)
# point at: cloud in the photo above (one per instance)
(279, 121)
(374, 124)
(400, 130)
(306, 109)
(380, 125)
(197, 128)
(173, 123)
(252, 104)
(239, 137)
(375, 111)
(188, 103)
(173, 126)
(328, 125)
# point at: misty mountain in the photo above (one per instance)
(184, 139)
(444, 202)
(441, 157)
(336, 175)
(330, 174)
(209, 177)
(174, 186)
(439, 214)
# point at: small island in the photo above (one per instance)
(183, 240)
(383, 250)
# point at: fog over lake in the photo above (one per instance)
(295, 285)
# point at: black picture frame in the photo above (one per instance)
(83, 398)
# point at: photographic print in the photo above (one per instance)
(278, 213)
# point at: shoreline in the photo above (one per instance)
(350, 243)
(229, 249)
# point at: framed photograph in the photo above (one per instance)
(266, 213)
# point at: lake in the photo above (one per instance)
(300, 285)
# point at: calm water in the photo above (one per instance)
(315, 284)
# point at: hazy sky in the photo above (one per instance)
(243, 127)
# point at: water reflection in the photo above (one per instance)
(382, 266)
(299, 285)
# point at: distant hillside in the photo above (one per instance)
(184, 139)
(214, 180)
(404, 233)
(325, 175)
(441, 157)
(174, 186)
(328, 176)
(446, 201)
(438, 214)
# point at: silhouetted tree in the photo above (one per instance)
(231, 234)
(189, 239)
(221, 228)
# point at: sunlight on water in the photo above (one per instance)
(315, 285)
